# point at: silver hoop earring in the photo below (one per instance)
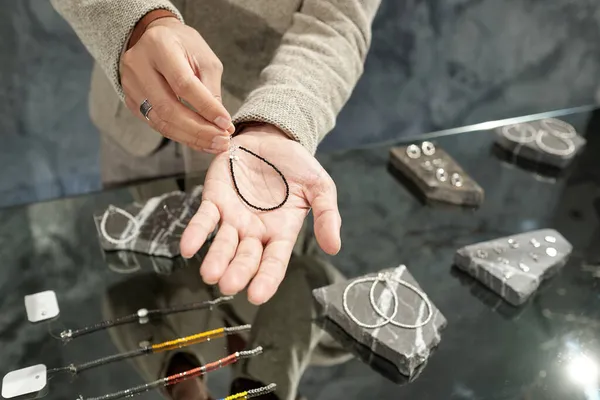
(558, 128)
(526, 133)
(413, 151)
(441, 175)
(127, 239)
(428, 148)
(387, 280)
(539, 140)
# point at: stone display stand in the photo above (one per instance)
(514, 266)
(421, 172)
(161, 219)
(406, 349)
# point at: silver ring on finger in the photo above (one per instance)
(145, 109)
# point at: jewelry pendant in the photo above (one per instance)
(233, 157)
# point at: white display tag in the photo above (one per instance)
(41, 306)
(24, 381)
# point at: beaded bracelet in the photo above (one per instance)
(233, 157)
(152, 349)
(180, 377)
(248, 394)
(142, 316)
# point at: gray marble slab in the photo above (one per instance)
(523, 140)
(514, 266)
(422, 172)
(407, 349)
(161, 221)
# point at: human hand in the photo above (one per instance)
(171, 61)
(252, 245)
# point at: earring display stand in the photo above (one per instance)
(438, 177)
(515, 266)
(405, 348)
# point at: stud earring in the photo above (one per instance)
(428, 148)
(456, 180)
(551, 251)
(550, 239)
(481, 253)
(427, 165)
(535, 243)
(413, 151)
(523, 267)
(441, 175)
(513, 243)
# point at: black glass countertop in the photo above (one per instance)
(547, 349)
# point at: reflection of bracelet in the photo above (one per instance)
(521, 128)
(539, 140)
(143, 315)
(153, 348)
(180, 377)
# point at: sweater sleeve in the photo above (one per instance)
(314, 70)
(104, 27)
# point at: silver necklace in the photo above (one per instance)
(386, 279)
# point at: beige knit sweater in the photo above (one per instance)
(292, 63)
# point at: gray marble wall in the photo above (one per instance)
(434, 64)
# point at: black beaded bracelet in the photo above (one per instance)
(233, 157)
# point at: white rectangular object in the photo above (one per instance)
(41, 306)
(24, 381)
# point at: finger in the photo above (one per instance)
(170, 117)
(323, 200)
(271, 272)
(173, 132)
(176, 69)
(220, 254)
(243, 267)
(200, 226)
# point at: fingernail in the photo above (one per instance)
(223, 123)
(231, 129)
(219, 143)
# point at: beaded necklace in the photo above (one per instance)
(233, 158)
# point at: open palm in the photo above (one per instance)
(253, 245)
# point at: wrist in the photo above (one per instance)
(153, 18)
(260, 129)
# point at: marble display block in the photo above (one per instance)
(549, 141)
(407, 349)
(161, 221)
(424, 172)
(514, 266)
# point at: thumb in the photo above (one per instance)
(322, 197)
